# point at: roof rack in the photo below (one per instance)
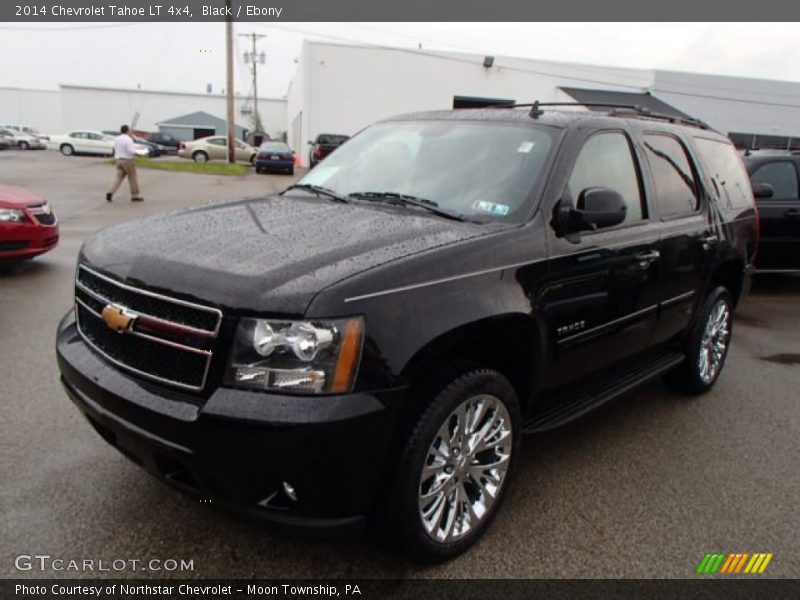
(616, 110)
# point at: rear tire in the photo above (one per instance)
(455, 468)
(291, 171)
(200, 157)
(706, 346)
(67, 150)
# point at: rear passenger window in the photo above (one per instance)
(726, 171)
(606, 160)
(781, 175)
(676, 188)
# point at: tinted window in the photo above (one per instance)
(781, 175)
(676, 188)
(606, 161)
(217, 141)
(332, 139)
(729, 180)
(78, 134)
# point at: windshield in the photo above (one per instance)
(478, 169)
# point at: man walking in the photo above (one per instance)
(124, 151)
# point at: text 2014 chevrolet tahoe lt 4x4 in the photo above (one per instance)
(371, 345)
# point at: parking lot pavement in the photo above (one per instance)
(642, 488)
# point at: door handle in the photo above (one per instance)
(709, 240)
(645, 258)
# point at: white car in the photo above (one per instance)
(88, 142)
(26, 130)
(23, 141)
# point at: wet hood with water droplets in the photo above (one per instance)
(270, 255)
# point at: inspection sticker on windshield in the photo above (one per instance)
(526, 147)
(500, 210)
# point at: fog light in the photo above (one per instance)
(293, 379)
(288, 489)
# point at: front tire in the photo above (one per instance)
(24, 146)
(455, 469)
(706, 345)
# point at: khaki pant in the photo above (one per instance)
(126, 168)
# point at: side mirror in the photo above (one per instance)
(763, 190)
(597, 207)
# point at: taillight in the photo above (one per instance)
(183, 146)
(318, 153)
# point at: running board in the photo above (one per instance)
(577, 400)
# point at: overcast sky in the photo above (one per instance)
(188, 56)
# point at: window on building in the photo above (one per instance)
(606, 160)
(676, 188)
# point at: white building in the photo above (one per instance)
(341, 88)
(102, 108)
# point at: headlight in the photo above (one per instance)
(11, 215)
(301, 356)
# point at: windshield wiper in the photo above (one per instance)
(407, 200)
(318, 190)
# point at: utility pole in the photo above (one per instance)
(229, 90)
(254, 59)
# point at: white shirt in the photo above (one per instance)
(124, 146)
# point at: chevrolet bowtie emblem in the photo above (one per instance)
(117, 318)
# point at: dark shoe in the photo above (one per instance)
(137, 199)
(108, 197)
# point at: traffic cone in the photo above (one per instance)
(297, 161)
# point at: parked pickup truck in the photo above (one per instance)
(324, 144)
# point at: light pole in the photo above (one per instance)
(254, 58)
(229, 90)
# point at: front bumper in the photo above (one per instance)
(25, 240)
(238, 447)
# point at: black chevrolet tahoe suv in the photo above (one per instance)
(370, 346)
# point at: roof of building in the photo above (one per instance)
(198, 119)
(644, 99)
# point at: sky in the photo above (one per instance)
(189, 56)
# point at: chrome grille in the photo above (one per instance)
(166, 339)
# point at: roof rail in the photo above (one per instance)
(616, 110)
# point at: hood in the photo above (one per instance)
(270, 254)
(16, 197)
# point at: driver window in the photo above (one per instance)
(606, 160)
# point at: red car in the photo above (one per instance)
(28, 226)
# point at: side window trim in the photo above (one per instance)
(637, 166)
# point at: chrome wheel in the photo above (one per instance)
(465, 468)
(714, 342)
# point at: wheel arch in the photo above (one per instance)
(510, 344)
(730, 274)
